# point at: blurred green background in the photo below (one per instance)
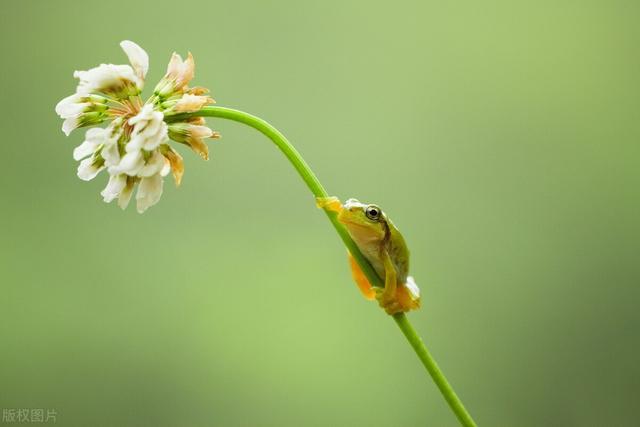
(502, 138)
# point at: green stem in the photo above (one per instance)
(434, 370)
(318, 190)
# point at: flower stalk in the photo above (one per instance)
(318, 190)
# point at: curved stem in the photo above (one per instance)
(298, 163)
(318, 190)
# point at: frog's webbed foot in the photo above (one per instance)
(331, 204)
(402, 301)
(388, 302)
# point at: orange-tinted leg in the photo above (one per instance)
(361, 279)
(408, 295)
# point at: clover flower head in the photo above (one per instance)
(134, 148)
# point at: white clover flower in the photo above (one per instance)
(134, 148)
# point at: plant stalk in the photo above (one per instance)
(434, 370)
(318, 190)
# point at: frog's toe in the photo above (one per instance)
(392, 307)
(388, 302)
(401, 301)
(329, 203)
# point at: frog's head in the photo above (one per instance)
(366, 223)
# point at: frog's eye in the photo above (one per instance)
(372, 212)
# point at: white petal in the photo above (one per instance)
(153, 166)
(114, 187)
(137, 56)
(104, 76)
(69, 125)
(166, 168)
(149, 192)
(149, 129)
(125, 196)
(111, 154)
(71, 99)
(92, 138)
(86, 170)
(83, 150)
(146, 113)
(131, 163)
(135, 144)
(161, 135)
(153, 124)
(68, 106)
(96, 135)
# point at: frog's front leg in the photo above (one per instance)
(331, 204)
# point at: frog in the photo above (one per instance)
(382, 244)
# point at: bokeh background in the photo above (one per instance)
(502, 138)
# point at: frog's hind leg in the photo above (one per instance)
(361, 280)
(408, 295)
(387, 297)
(397, 297)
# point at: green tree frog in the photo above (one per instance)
(384, 247)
